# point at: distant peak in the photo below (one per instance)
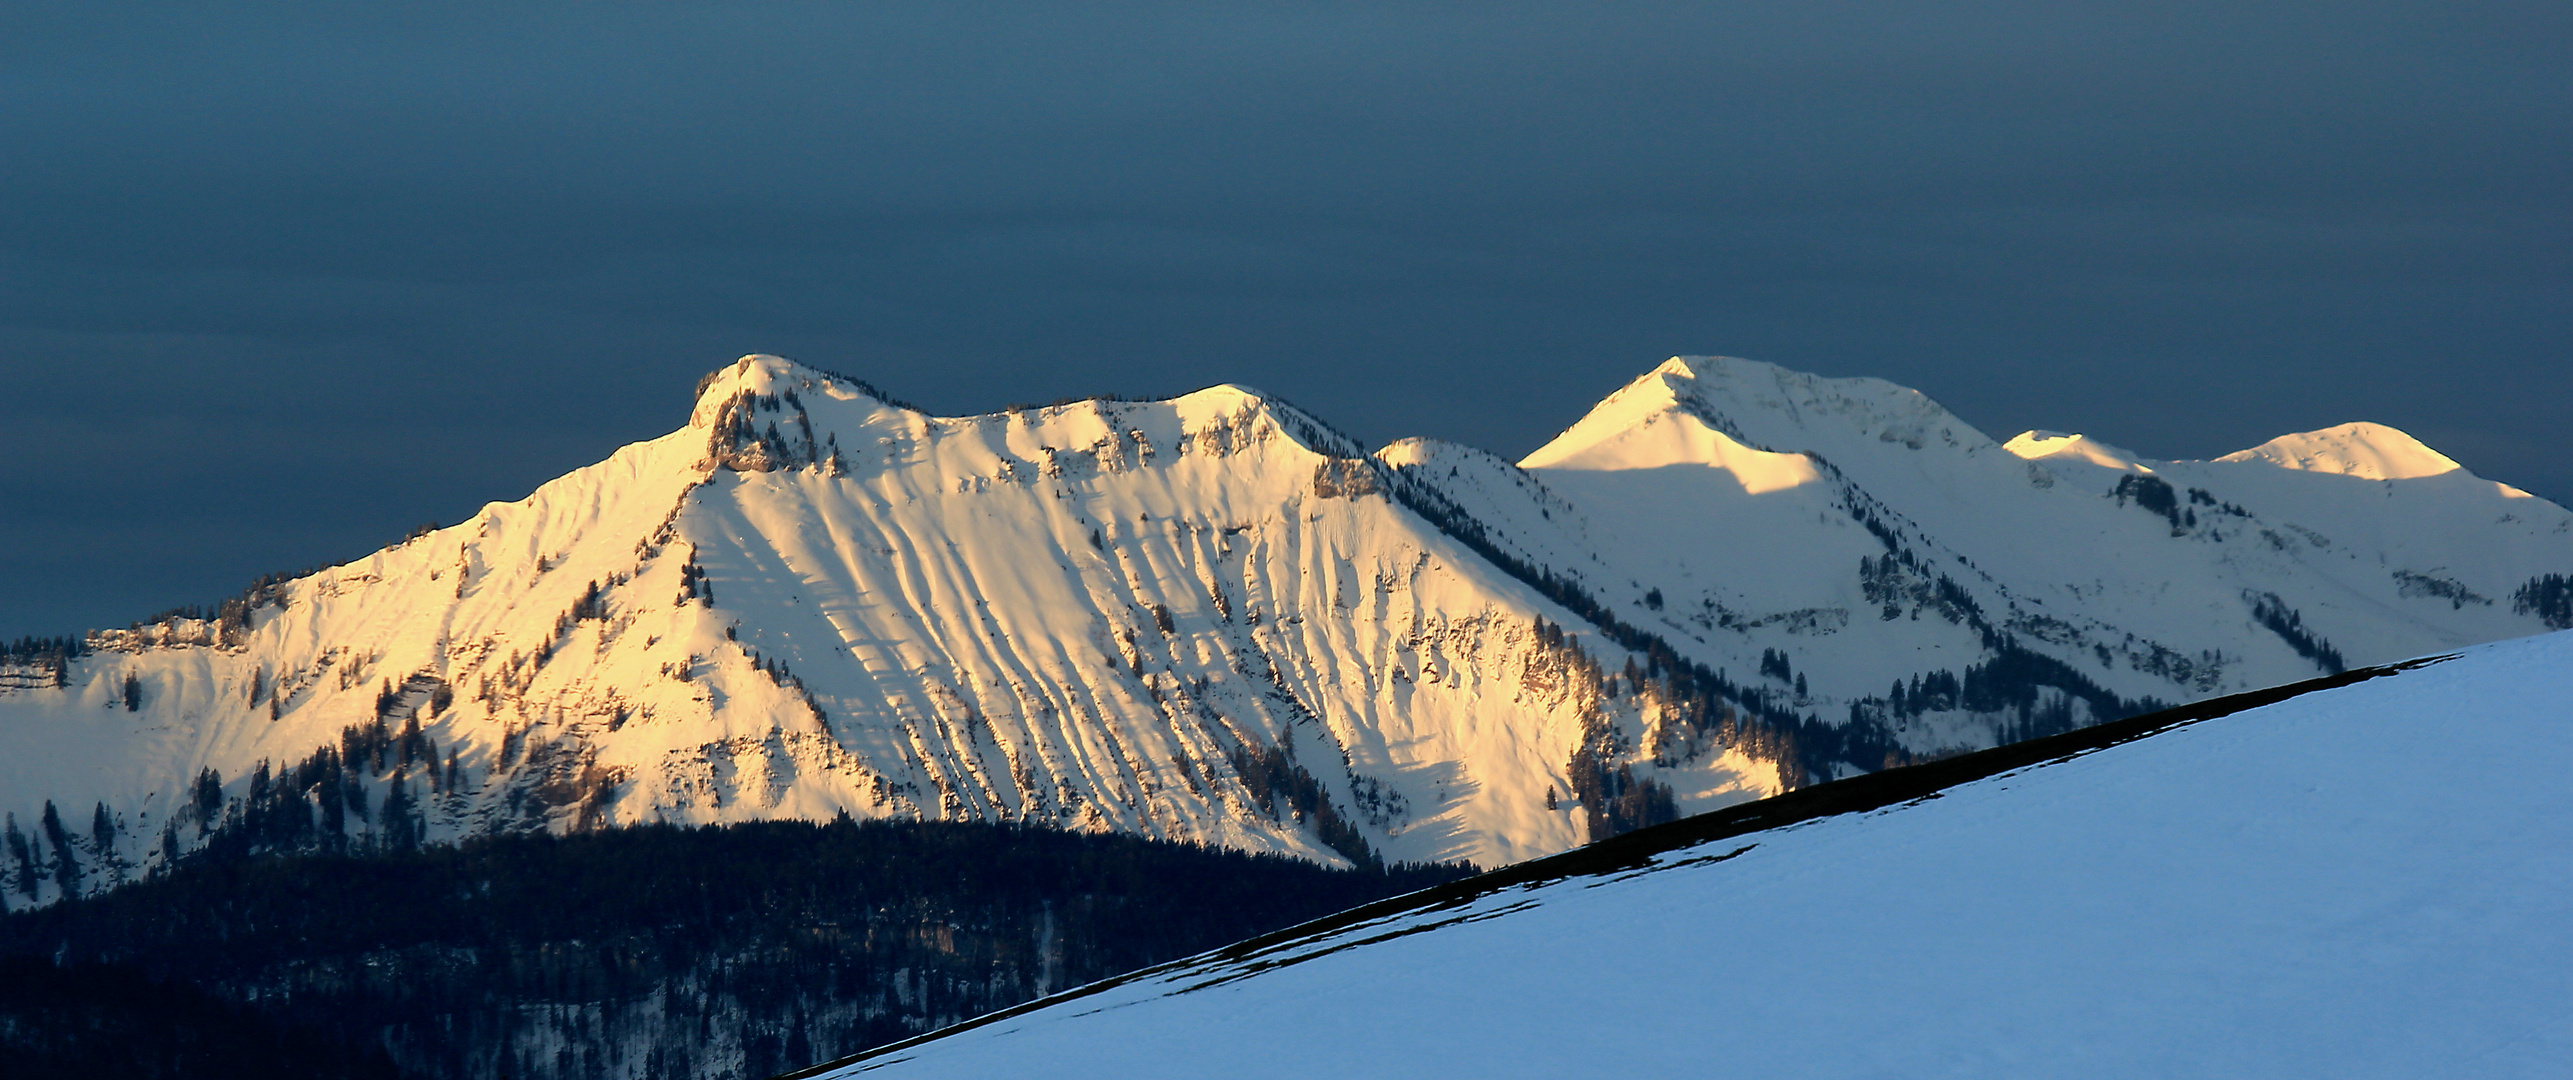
(760, 373)
(754, 372)
(2062, 446)
(1222, 395)
(1234, 404)
(2364, 450)
(1414, 450)
(1763, 406)
(1685, 366)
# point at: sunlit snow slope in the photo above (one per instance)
(1213, 619)
(1200, 619)
(2393, 905)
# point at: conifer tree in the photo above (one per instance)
(402, 826)
(334, 802)
(66, 865)
(410, 739)
(209, 797)
(23, 872)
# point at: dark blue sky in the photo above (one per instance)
(278, 282)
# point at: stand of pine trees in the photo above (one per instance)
(2549, 597)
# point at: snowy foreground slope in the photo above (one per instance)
(1213, 619)
(2151, 898)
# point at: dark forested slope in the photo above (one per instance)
(664, 952)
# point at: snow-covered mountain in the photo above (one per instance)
(2146, 899)
(1866, 535)
(1215, 619)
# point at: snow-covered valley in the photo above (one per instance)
(1216, 620)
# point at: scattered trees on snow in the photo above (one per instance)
(2547, 596)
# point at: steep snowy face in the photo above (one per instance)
(1145, 616)
(2175, 905)
(1202, 619)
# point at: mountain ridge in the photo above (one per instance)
(1213, 618)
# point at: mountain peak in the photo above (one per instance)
(1686, 367)
(1763, 407)
(1224, 398)
(1645, 403)
(2062, 446)
(2364, 450)
(760, 373)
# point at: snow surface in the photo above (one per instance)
(2392, 905)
